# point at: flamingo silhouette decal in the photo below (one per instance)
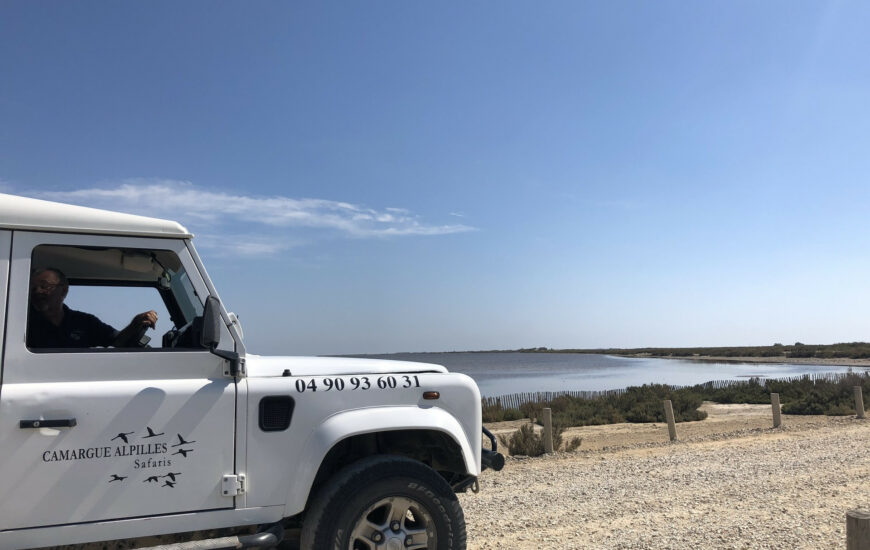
(181, 441)
(150, 433)
(122, 436)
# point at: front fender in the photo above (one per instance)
(370, 420)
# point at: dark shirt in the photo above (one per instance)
(77, 330)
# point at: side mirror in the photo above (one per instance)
(210, 336)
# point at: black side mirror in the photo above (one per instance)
(210, 336)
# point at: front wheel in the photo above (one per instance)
(385, 503)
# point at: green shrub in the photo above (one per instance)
(805, 395)
(637, 404)
(573, 444)
(531, 410)
(492, 412)
(526, 441)
(803, 407)
(840, 410)
(513, 414)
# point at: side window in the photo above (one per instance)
(110, 298)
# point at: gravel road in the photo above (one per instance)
(788, 488)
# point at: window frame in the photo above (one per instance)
(168, 297)
(80, 364)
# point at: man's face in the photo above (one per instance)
(46, 291)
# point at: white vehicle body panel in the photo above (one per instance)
(88, 472)
(38, 215)
(318, 425)
(5, 253)
(137, 527)
(261, 366)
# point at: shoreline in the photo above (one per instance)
(775, 360)
(827, 362)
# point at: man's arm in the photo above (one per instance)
(137, 326)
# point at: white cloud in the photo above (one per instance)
(188, 204)
(250, 245)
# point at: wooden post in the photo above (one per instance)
(774, 403)
(548, 430)
(857, 530)
(669, 416)
(859, 402)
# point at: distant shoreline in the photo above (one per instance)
(832, 362)
(772, 360)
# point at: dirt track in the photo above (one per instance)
(731, 482)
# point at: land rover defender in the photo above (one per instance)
(189, 436)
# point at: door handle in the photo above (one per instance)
(59, 423)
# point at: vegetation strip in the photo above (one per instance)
(829, 394)
(798, 350)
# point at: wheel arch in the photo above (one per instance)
(395, 486)
(431, 436)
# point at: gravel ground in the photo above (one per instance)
(787, 488)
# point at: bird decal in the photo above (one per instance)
(152, 479)
(181, 441)
(183, 452)
(168, 484)
(171, 475)
(150, 433)
(123, 436)
(116, 477)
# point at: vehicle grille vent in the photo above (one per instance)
(276, 412)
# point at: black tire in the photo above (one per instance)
(371, 491)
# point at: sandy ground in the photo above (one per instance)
(731, 481)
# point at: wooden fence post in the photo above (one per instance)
(774, 403)
(857, 530)
(859, 402)
(669, 416)
(548, 430)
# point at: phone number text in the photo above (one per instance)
(357, 383)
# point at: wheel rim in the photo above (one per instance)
(393, 523)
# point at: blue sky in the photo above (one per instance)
(408, 176)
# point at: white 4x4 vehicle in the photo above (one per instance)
(191, 437)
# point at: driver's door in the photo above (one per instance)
(97, 434)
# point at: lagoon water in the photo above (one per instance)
(503, 373)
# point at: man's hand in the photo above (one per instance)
(132, 334)
(149, 319)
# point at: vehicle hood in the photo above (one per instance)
(263, 366)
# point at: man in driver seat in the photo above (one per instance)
(51, 324)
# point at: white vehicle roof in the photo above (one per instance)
(38, 215)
